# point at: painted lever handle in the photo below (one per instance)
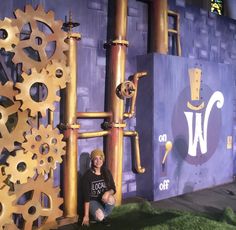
(168, 147)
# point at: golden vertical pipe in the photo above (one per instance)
(159, 27)
(70, 160)
(116, 75)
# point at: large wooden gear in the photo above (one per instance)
(39, 39)
(47, 145)
(47, 100)
(21, 167)
(13, 122)
(60, 72)
(38, 201)
(10, 32)
(28, 198)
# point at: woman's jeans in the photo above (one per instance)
(105, 208)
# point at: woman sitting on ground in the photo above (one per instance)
(98, 189)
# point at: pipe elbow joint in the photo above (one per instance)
(140, 170)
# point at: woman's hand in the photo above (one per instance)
(85, 221)
(86, 214)
(108, 197)
(105, 197)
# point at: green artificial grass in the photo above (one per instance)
(142, 216)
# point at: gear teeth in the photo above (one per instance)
(9, 84)
(29, 9)
(51, 14)
(60, 23)
(57, 98)
(40, 9)
(43, 113)
(43, 71)
(15, 59)
(18, 13)
(18, 97)
(34, 71)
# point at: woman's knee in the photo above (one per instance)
(99, 215)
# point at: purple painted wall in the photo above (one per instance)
(203, 36)
(163, 100)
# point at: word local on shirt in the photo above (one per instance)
(98, 188)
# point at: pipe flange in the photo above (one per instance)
(116, 42)
(76, 36)
(73, 126)
(120, 42)
(118, 125)
(108, 125)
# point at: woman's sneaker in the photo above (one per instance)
(106, 222)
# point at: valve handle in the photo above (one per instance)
(126, 89)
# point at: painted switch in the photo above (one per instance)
(168, 148)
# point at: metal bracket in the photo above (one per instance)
(116, 42)
(118, 125)
(64, 127)
(108, 125)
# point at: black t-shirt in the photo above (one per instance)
(94, 186)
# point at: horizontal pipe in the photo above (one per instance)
(172, 13)
(93, 115)
(172, 31)
(92, 134)
(128, 115)
(130, 133)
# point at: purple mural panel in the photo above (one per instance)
(197, 124)
(204, 36)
